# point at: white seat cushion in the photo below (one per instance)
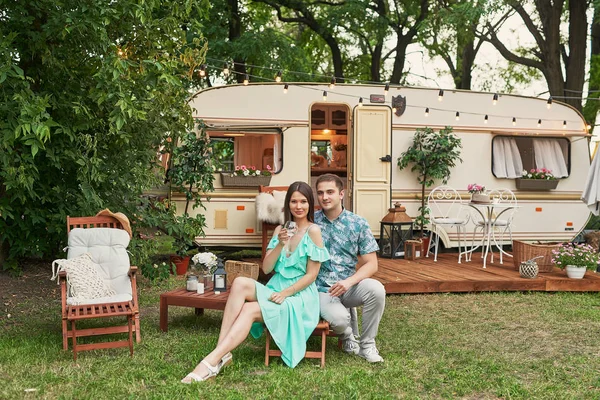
(118, 298)
(448, 221)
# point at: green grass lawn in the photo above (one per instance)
(471, 346)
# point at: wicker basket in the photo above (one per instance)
(239, 268)
(526, 251)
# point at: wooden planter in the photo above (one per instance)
(536, 184)
(244, 181)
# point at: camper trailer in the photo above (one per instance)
(359, 131)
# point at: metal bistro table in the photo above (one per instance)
(184, 298)
(486, 211)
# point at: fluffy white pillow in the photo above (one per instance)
(269, 208)
(83, 278)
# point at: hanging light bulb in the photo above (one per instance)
(514, 121)
(360, 102)
(278, 76)
(588, 126)
(394, 110)
(441, 95)
(285, 88)
(564, 124)
(246, 80)
(226, 69)
(495, 100)
(549, 103)
(485, 119)
(427, 112)
(332, 83)
(539, 123)
(203, 70)
(324, 95)
(457, 115)
(387, 89)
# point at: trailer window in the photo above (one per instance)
(261, 150)
(511, 155)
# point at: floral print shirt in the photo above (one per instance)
(345, 237)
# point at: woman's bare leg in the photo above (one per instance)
(242, 290)
(237, 333)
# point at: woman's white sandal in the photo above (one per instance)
(212, 372)
(225, 361)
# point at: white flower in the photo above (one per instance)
(246, 172)
(207, 259)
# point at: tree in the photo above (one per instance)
(89, 92)
(552, 52)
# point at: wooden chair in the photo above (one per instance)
(268, 227)
(73, 313)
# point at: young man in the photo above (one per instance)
(345, 280)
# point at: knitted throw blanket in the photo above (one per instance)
(83, 279)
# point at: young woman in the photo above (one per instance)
(288, 305)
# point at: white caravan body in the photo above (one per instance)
(298, 133)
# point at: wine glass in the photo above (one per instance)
(291, 227)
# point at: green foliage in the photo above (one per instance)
(88, 94)
(431, 155)
(192, 169)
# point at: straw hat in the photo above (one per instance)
(122, 218)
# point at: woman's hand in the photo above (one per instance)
(283, 236)
(277, 297)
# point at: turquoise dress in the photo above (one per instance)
(291, 322)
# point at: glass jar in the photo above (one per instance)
(192, 283)
(208, 281)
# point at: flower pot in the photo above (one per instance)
(181, 264)
(536, 184)
(244, 181)
(575, 272)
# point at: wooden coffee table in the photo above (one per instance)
(183, 298)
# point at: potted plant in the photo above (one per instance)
(431, 155)
(576, 259)
(204, 266)
(537, 179)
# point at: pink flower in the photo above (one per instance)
(243, 168)
(268, 168)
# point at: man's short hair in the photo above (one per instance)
(330, 178)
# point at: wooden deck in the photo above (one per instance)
(448, 276)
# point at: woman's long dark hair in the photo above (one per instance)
(305, 189)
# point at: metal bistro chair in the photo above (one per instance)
(500, 224)
(446, 210)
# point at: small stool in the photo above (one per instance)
(410, 249)
(322, 329)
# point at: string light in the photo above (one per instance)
(485, 119)
(278, 76)
(324, 95)
(394, 110)
(332, 83)
(285, 88)
(495, 100)
(549, 103)
(427, 112)
(246, 80)
(226, 69)
(441, 95)
(387, 89)
(564, 124)
(203, 70)
(360, 102)
(514, 121)
(457, 115)
(539, 123)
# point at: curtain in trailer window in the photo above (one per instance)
(550, 155)
(248, 151)
(507, 159)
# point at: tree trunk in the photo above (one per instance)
(3, 254)
(592, 105)
(235, 32)
(575, 67)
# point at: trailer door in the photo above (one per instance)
(371, 178)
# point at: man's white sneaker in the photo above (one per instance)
(350, 346)
(370, 354)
